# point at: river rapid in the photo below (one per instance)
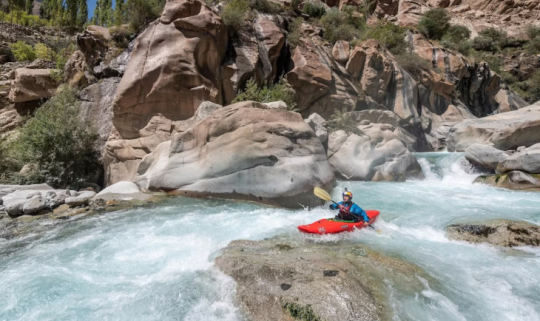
(156, 263)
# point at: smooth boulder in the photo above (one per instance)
(527, 160)
(245, 151)
(82, 198)
(514, 180)
(485, 156)
(503, 131)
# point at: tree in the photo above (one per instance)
(72, 7)
(29, 6)
(434, 23)
(82, 14)
(119, 13)
(141, 12)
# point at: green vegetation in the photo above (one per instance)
(314, 9)
(491, 40)
(234, 15)
(267, 94)
(533, 46)
(434, 23)
(58, 143)
(341, 120)
(388, 35)
(44, 52)
(457, 38)
(529, 89)
(339, 25)
(23, 51)
(492, 60)
(300, 312)
(295, 36)
(17, 16)
(413, 64)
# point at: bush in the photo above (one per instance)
(278, 91)
(265, 6)
(294, 37)
(484, 44)
(413, 64)
(533, 32)
(341, 25)
(9, 164)
(44, 52)
(342, 120)
(121, 36)
(60, 143)
(234, 15)
(141, 12)
(22, 51)
(314, 9)
(387, 35)
(295, 4)
(434, 23)
(457, 34)
(493, 61)
(533, 46)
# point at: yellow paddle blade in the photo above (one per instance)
(322, 194)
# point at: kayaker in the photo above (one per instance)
(348, 210)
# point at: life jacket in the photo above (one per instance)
(345, 213)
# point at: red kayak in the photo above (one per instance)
(333, 226)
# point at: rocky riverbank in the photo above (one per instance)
(497, 232)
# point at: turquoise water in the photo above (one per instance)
(156, 263)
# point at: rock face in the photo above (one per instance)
(514, 180)
(485, 156)
(527, 160)
(32, 84)
(246, 151)
(382, 152)
(503, 131)
(499, 233)
(256, 55)
(174, 66)
(280, 280)
(97, 107)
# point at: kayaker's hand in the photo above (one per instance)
(366, 223)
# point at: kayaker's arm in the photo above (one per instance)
(335, 206)
(358, 211)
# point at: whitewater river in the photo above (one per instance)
(156, 264)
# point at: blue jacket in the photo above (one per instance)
(354, 209)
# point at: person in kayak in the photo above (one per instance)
(348, 210)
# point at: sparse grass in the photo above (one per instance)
(341, 120)
(413, 64)
(301, 312)
(267, 94)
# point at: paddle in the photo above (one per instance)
(322, 194)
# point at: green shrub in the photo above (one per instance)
(533, 32)
(121, 36)
(387, 35)
(60, 143)
(508, 78)
(295, 4)
(342, 120)
(434, 23)
(44, 52)
(456, 35)
(22, 51)
(294, 37)
(499, 37)
(484, 44)
(265, 6)
(529, 89)
(533, 46)
(493, 61)
(413, 64)
(341, 25)
(314, 9)
(278, 91)
(234, 15)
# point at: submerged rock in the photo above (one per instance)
(245, 151)
(279, 280)
(499, 232)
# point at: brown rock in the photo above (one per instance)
(32, 84)
(340, 52)
(499, 233)
(174, 66)
(378, 71)
(74, 70)
(357, 60)
(99, 31)
(311, 79)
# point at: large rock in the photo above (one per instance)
(174, 66)
(340, 52)
(93, 42)
(97, 107)
(514, 180)
(310, 78)
(527, 160)
(256, 54)
(117, 66)
(318, 124)
(485, 156)
(82, 198)
(75, 70)
(34, 205)
(381, 152)
(246, 151)
(32, 84)
(503, 131)
(122, 157)
(499, 233)
(279, 279)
